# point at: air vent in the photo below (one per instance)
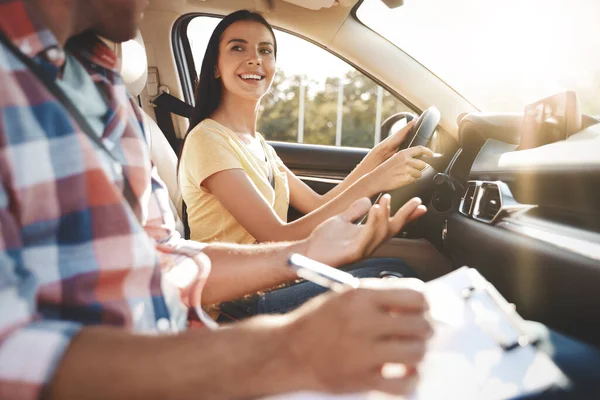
(467, 201)
(489, 201)
(488, 207)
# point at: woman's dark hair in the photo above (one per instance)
(208, 89)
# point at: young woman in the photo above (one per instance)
(235, 186)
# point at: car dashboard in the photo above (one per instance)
(527, 217)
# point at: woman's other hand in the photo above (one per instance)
(386, 148)
(400, 169)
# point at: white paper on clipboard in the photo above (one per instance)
(464, 360)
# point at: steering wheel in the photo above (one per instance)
(420, 135)
(422, 131)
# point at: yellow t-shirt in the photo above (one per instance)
(210, 148)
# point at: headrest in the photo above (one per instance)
(134, 64)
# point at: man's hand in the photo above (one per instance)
(338, 241)
(340, 342)
(337, 342)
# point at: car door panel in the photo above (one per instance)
(320, 167)
(319, 161)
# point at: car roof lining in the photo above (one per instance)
(320, 25)
(335, 29)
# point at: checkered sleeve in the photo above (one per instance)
(31, 346)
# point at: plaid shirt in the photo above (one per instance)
(73, 251)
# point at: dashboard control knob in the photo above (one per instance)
(443, 192)
(443, 181)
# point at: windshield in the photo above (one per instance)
(499, 55)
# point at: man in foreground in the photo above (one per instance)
(89, 261)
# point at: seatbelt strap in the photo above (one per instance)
(184, 220)
(165, 123)
(172, 104)
(164, 105)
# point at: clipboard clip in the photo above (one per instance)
(508, 342)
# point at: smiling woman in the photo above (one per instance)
(235, 186)
(500, 55)
(316, 97)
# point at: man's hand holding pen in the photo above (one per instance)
(341, 341)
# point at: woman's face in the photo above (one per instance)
(246, 64)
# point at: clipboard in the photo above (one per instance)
(481, 349)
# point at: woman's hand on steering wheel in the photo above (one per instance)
(387, 147)
(400, 169)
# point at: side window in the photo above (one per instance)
(315, 98)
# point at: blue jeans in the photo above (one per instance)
(286, 299)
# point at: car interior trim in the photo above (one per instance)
(575, 245)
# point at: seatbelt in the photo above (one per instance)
(184, 220)
(165, 104)
(172, 104)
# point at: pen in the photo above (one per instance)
(329, 277)
(322, 274)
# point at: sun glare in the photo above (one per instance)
(500, 55)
